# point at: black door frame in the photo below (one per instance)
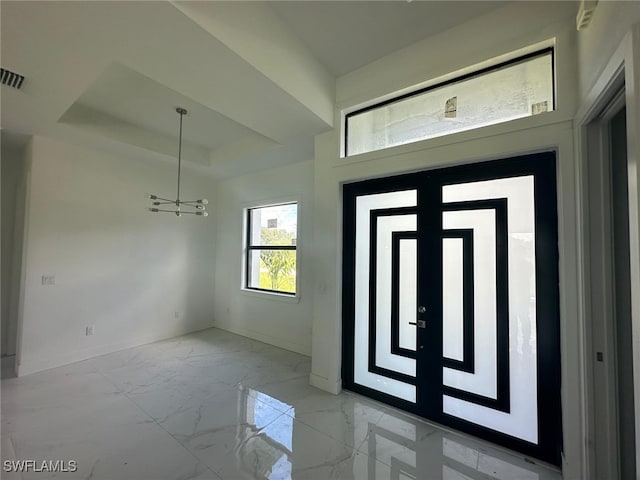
(429, 360)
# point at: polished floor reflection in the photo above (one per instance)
(214, 405)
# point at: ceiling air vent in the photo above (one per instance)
(585, 12)
(12, 79)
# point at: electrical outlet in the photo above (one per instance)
(48, 279)
(89, 330)
(176, 314)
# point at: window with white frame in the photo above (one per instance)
(271, 251)
(509, 90)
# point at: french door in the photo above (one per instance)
(450, 298)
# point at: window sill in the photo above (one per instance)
(278, 297)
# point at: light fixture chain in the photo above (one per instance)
(181, 112)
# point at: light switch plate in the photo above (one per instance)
(48, 279)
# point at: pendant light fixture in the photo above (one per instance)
(177, 206)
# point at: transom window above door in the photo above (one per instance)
(518, 88)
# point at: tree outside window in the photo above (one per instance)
(271, 248)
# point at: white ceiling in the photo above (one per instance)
(121, 95)
(345, 35)
(257, 78)
(125, 94)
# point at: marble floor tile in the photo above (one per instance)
(287, 392)
(343, 417)
(412, 445)
(8, 453)
(114, 440)
(283, 449)
(232, 409)
(41, 401)
(214, 405)
(180, 395)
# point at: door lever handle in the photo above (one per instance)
(420, 323)
(412, 323)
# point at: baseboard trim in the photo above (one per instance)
(325, 384)
(261, 337)
(29, 367)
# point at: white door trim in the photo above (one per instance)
(624, 65)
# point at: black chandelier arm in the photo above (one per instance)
(180, 212)
(195, 209)
(191, 205)
(155, 197)
(193, 213)
(201, 209)
(162, 210)
(177, 210)
(197, 206)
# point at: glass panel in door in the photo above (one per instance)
(450, 298)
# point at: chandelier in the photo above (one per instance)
(177, 206)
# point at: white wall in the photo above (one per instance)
(117, 266)
(515, 26)
(13, 183)
(272, 319)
